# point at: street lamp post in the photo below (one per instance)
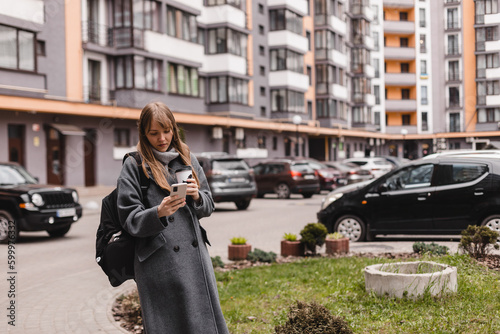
(404, 132)
(297, 120)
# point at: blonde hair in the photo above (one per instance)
(159, 112)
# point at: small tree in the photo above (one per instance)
(312, 318)
(477, 241)
(313, 235)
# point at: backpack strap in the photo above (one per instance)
(144, 179)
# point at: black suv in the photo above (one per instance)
(32, 206)
(230, 178)
(440, 195)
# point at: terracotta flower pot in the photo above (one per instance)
(238, 252)
(337, 246)
(292, 248)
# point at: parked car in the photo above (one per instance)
(395, 161)
(285, 177)
(26, 205)
(327, 175)
(349, 172)
(377, 166)
(427, 196)
(230, 178)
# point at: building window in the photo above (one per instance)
(403, 16)
(484, 62)
(405, 94)
(405, 119)
(376, 116)
(263, 112)
(425, 125)
(262, 70)
(423, 44)
(225, 40)
(186, 29)
(453, 71)
(423, 97)
(422, 17)
(40, 48)
(262, 50)
(454, 97)
(454, 122)
(485, 7)
(453, 47)
(309, 74)
(240, 4)
(261, 29)
(262, 91)
(183, 80)
(284, 59)
(147, 15)
(405, 67)
(330, 108)
(403, 42)
(261, 8)
(488, 115)
(452, 18)
(423, 67)
(284, 100)
(224, 89)
(308, 36)
(121, 137)
(284, 19)
(310, 109)
(17, 49)
(484, 35)
(275, 143)
(138, 72)
(376, 92)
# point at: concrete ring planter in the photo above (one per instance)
(410, 279)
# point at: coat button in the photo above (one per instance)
(176, 248)
(195, 243)
(171, 219)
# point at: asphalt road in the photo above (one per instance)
(58, 288)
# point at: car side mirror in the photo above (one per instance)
(382, 188)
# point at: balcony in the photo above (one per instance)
(335, 90)
(293, 80)
(298, 6)
(95, 33)
(492, 73)
(402, 53)
(220, 63)
(400, 105)
(364, 40)
(399, 4)
(222, 14)
(363, 10)
(334, 56)
(491, 18)
(360, 68)
(399, 27)
(362, 98)
(170, 46)
(288, 38)
(400, 79)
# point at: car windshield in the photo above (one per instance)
(10, 174)
(301, 167)
(230, 165)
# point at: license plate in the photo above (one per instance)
(308, 177)
(66, 212)
(236, 179)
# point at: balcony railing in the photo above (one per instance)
(452, 25)
(119, 37)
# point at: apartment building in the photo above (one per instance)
(259, 78)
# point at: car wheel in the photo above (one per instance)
(242, 204)
(283, 190)
(352, 227)
(59, 232)
(308, 195)
(5, 218)
(493, 222)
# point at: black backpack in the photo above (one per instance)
(115, 248)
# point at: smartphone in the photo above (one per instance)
(179, 189)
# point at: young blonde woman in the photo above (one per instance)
(173, 269)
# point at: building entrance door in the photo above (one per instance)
(16, 143)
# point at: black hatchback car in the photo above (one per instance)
(429, 196)
(230, 178)
(26, 205)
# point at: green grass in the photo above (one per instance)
(267, 292)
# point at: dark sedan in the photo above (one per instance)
(428, 196)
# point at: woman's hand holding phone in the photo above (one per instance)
(193, 189)
(177, 199)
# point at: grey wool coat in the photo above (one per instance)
(173, 269)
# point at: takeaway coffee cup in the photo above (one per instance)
(184, 174)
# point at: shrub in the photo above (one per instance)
(334, 236)
(477, 241)
(312, 318)
(217, 262)
(432, 248)
(129, 308)
(290, 237)
(261, 256)
(238, 241)
(313, 235)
